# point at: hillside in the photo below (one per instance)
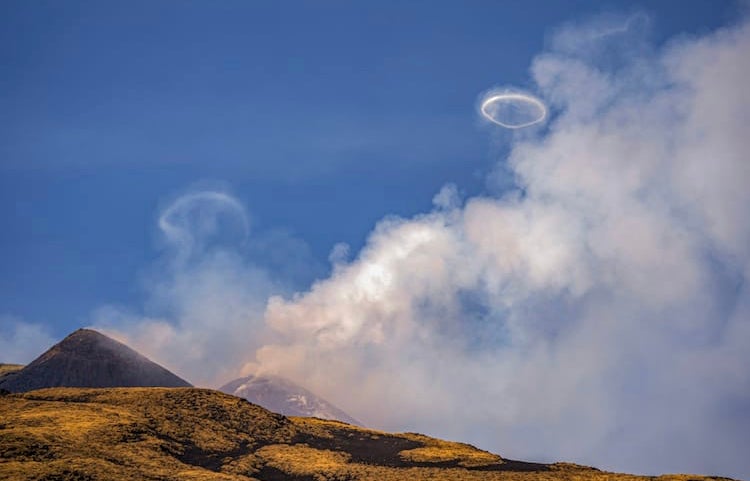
(8, 369)
(199, 434)
(283, 396)
(87, 358)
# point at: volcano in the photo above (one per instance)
(283, 396)
(87, 358)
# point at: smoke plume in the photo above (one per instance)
(597, 312)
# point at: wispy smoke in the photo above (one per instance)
(205, 299)
(21, 341)
(192, 219)
(598, 312)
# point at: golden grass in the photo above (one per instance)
(439, 451)
(326, 428)
(202, 435)
(302, 459)
(8, 368)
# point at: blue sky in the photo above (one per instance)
(322, 117)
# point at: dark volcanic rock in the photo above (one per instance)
(285, 397)
(87, 358)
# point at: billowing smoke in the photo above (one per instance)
(598, 312)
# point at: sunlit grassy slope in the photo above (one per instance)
(199, 434)
(6, 369)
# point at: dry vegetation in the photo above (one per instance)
(6, 369)
(198, 434)
(439, 451)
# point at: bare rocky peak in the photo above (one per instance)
(87, 358)
(285, 397)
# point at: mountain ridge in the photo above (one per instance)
(200, 434)
(180, 432)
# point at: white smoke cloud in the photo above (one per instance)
(599, 313)
(448, 197)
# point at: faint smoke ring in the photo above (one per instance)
(193, 217)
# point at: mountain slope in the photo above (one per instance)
(285, 397)
(199, 434)
(87, 358)
(8, 369)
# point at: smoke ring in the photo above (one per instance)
(510, 98)
(174, 225)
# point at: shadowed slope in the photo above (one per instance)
(199, 434)
(87, 358)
